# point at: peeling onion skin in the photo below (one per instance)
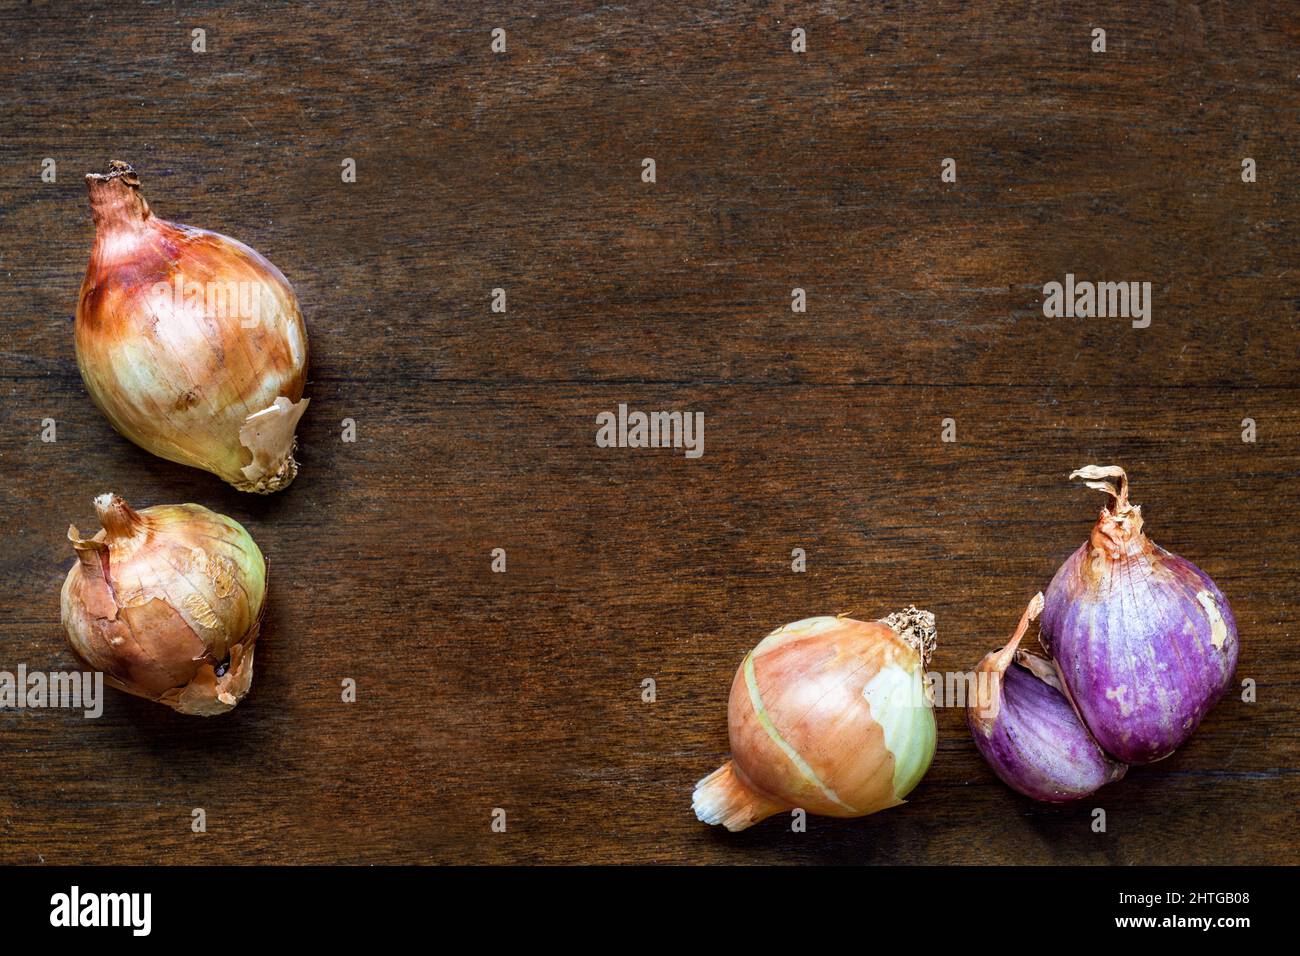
(167, 602)
(1027, 730)
(829, 715)
(183, 377)
(1144, 640)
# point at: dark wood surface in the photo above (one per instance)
(476, 430)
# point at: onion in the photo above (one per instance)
(167, 602)
(827, 714)
(1144, 641)
(190, 343)
(1027, 730)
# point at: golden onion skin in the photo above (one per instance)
(186, 376)
(167, 602)
(829, 715)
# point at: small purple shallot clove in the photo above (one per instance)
(1028, 730)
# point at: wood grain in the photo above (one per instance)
(476, 430)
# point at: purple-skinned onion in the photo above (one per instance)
(1144, 640)
(1027, 729)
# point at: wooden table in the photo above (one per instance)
(476, 429)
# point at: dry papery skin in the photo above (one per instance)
(1024, 725)
(828, 714)
(167, 602)
(1143, 639)
(190, 342)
